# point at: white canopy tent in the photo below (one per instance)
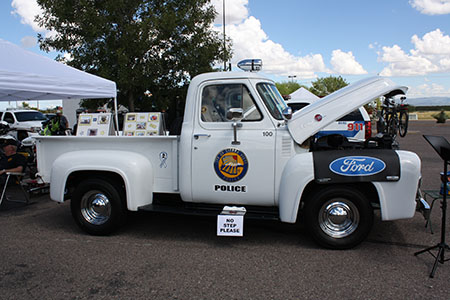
(28, 76)
(303, 94)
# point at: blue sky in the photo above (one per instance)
(407, 40)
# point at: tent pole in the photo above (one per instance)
(116, 116)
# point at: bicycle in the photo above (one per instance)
(394, 118)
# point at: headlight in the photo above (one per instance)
(35, 129)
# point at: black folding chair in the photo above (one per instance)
(13, 189)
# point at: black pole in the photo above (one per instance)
(224, 40)
(442, 147)
(444, 207)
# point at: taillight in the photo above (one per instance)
(368, 131)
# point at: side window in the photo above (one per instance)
(353, 116)
(8, 118)
(1, 115)
(218, 99)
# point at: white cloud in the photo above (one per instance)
(431, 7)
(345, 63)
(27, 10)
(28, 41)
(431, 54)
(250, 41)
(432, 43)
(235, 11)
(428, 90)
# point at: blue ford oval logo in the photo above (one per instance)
(357, 166)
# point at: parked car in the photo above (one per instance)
(50, 115)
(26, 122)
(355, 126)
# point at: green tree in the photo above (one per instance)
(288, 87)
(142, 45)
(327, 85)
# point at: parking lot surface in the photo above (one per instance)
(43, 254)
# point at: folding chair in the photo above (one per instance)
(14, 184)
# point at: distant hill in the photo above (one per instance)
(429, 101)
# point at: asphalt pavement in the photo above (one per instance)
(43, 254)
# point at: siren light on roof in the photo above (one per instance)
(252, 65)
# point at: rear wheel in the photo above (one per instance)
(338, 217)
(97, 207)
(393, 126)
(381, 123)
(403, 124)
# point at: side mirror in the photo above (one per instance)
(235, 114)
(287, 113)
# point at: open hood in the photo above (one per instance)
(313, 118)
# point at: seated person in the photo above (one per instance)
(11, 161)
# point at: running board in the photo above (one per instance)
(269, 213)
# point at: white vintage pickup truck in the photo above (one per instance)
(240, 145)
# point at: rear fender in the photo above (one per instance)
(135, 170)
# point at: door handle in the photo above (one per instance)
(197, 135)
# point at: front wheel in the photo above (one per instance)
(338, 217)
(97, 207)
(403, 124)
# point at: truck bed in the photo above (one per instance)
(161, 151)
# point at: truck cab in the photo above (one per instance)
(233, 160)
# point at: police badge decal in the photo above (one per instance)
(231, 165)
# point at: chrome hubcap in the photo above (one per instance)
(338, 218)
(95, 207)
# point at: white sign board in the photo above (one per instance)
(143, 124)
(98, 124)
(230, 225)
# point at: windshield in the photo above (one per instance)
(272, 99)
(30, 116)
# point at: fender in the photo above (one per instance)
(397, 199)
(135, 170)
(299, 171)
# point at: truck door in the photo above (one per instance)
(228, 169)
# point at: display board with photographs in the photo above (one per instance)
(96, 124)
(143, 124)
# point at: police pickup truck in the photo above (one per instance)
(240, 145)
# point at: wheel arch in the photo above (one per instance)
(132, 171)
(366, 188)
(76, 177)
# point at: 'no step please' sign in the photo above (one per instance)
(231, 221)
